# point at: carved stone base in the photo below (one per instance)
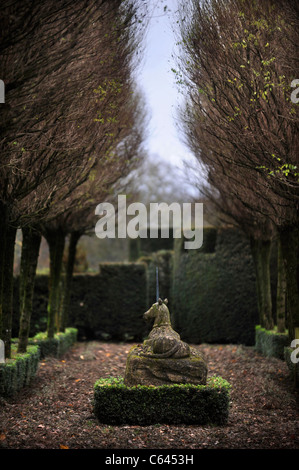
(144, 370)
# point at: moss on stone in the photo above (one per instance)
(155, 371)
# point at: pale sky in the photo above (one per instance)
(158, 83)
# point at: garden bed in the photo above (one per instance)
(115, 403)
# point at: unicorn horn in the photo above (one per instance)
(157, 284)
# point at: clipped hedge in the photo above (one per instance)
(115, 403)
(163, 260)
(211, 292)
(270, 343)
(209, 242)
(214, 293)
(56, 346)
(146, 246)
(110, 305)
(18, 371)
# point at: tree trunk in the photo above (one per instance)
(56, 240)
(254, 252)
(30, 251)
(2, 241)
(74, 238)
(289, 237)
(281, 292)
(7, 287)
(261, 250)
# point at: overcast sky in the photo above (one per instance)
(158, 83)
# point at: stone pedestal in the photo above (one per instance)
(145, 370)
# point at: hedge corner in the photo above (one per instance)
(270, 343)
(56, 346)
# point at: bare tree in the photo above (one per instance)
(58, 59)
(103, 184)
(239, 60)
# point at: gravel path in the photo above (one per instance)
(56, 411)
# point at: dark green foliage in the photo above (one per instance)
(18, 371)
(110, 305)
(270, 343)
(151, 245)
(134, 249)
(164, 261)
(114, 403)
(209, 242)
(56, 346)
(211, 292)
(145, 246)
(214, 296)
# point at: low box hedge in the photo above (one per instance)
(115, 403)
(56, 346)
(18, 371)
(270, 343)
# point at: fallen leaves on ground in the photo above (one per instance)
(55, 412)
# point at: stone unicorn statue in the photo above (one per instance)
(163, 341)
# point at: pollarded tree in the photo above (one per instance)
(46, 144)
(118, 130)
(240, 62)
(225, 188)
(78, 216)
(104, 184)
(31, 32)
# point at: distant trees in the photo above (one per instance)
(239, 59)
(156, 180)
(67, 70)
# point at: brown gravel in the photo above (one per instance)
(56, 411)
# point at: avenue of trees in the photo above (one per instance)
(71, 128)
(237, 61)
